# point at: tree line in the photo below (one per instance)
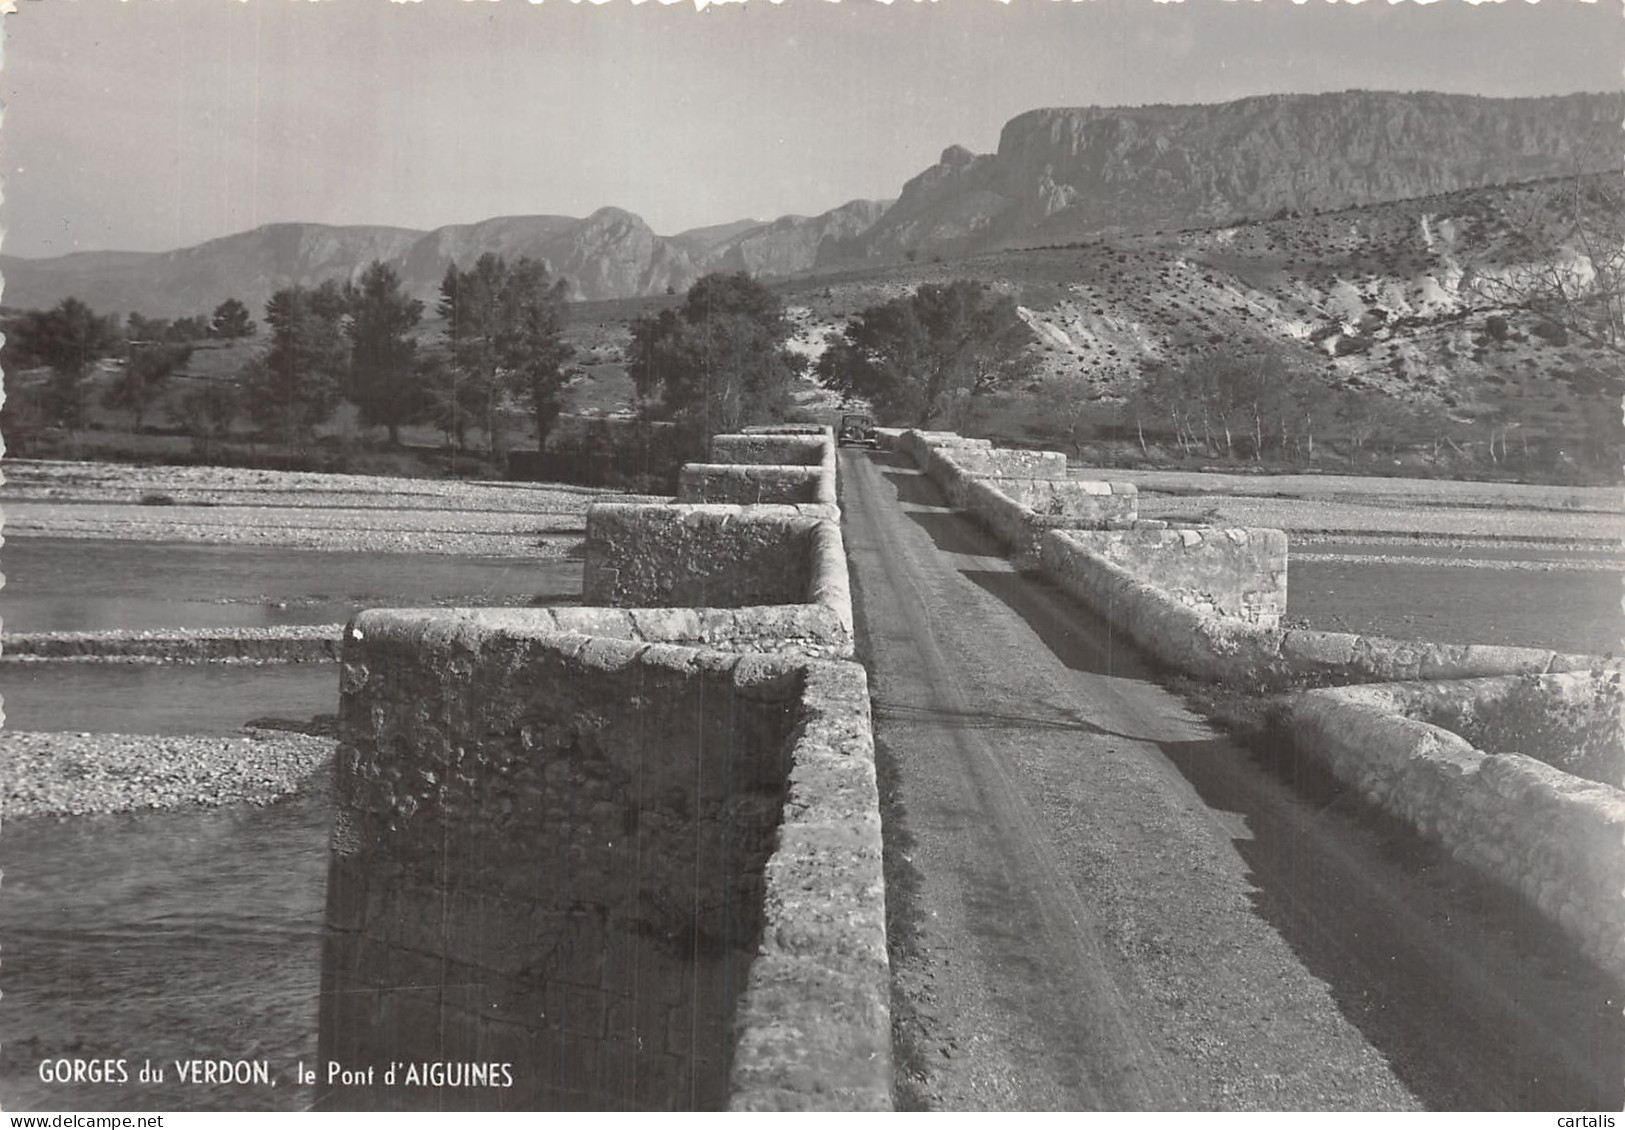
(352, 341)
(719, 360)
(502, 342)
(1248, 402)
(722, 360)
(71, 339)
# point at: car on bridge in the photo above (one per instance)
(856, 430)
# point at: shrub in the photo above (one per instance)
(1582, 738)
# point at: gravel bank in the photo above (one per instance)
(79, 774)
(1461, 562)
(295, 509)
(294, 643)
(1395, 491)
(48, 480)
(394, 532)
(1322, 516)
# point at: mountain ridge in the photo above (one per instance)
(1059, 174)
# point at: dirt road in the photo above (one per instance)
(1096, 902)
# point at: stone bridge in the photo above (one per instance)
(629, 854)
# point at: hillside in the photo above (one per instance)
(1374, 299)
(1059, 176)
(609, 254)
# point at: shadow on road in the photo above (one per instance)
(1475, 1000)
(915, 488)
(954, 534)
(1081, 640)
(1063, 721)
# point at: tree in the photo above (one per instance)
(194, 328)
(505, 340)
(1242, 399)
(383, 381)
(719, 362)
(69, 339)
(296, 383)
(141, 330)
(207, 413)
(1148, 401)
(1567, 266)
(452, 402)
(231, 321)
(1066, 403)
(1564, 267)
(531, 345)
(1359, 415)
(926, 357)
(468, 302)
(147, 365)
(1166, 391)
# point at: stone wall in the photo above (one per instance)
(771, 448)
(1010, 509)
(1225, 647)
(955, 468)
(614, 872)
(1209, 603)
(815, 1022)
(749, 485)
(1557, 839)
(1202, 601)
(695, 555)
(601, 868)
(789, 430)
(757, 577)
(1001, 463)
(1239, 572)
(917, 444)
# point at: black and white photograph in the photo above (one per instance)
(879, 555)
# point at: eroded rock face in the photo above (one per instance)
(797, 243)
(1058, 175)
(1063, 172)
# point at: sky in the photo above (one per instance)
(148, 125)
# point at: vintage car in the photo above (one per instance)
(856, 429)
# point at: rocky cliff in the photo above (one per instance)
(1063, 173)
(1059, 175)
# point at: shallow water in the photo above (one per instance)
(1569, 611)
(154, 698)
(196, 933)
(161, 936)
(64, 584)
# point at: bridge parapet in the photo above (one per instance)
(622, 876)
(638, 871)
(752, 484)
(1556, 839)
(783, 463)
(1020, 511)
(781, 567)
(1216, 646)
(1223, 572)
(771, 448)
(1209, 602)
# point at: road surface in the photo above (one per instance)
(1096, 902)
